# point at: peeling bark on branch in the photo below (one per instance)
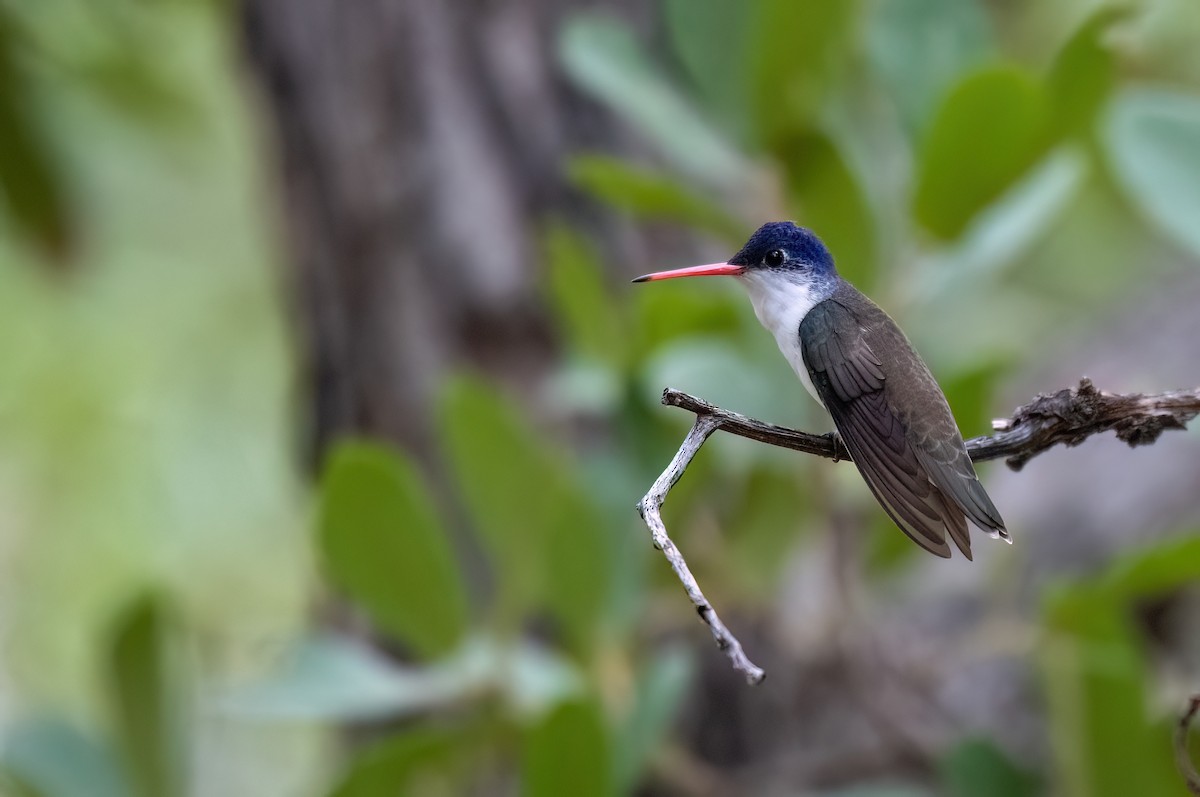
(1072, 415)
(1067, 417)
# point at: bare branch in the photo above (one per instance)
(1067, 417)
(1183, 758)
(650, 508)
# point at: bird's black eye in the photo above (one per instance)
(775, 258)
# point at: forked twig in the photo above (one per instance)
(650, 508)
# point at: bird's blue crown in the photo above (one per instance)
(801, 249)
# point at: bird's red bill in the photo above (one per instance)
(710, 270)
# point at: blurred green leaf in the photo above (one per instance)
(536, 679)
(30, 181)
(12, 785)
(969, 394)
(662, 316)
(389, 768)
(764, 525)
(1153, 141)
(586, 312)
(1083, 73)
(751, 377)
(1162, 568)
(335, 679)
(712, 367)
(586, 388)
(827, 196)
(127, 77)
(989, 131)
(710, 39)
(1082, 258)
(1000, 236)
(604, 58)
(498, 468)
(55, 759)
(886, 552)
(652, 195)
(143, 679)
(383, 543)
(119, 55)
(568, 753)
(976, 768)
(917, 47)
(1095, 677)
(794, 49)
(543, 535)
(661, 687)
(580, 566)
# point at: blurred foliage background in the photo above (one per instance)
(325, 402)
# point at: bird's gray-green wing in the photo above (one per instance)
(850, 380)
(950, 468)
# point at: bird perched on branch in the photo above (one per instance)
(886, 405)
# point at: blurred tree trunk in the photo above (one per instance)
(421, 142)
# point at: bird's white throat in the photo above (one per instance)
(781, 302)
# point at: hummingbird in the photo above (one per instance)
(858, 364)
